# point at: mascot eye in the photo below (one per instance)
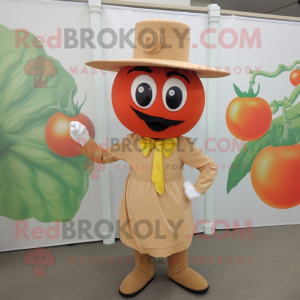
(143, 91)
(174, 94)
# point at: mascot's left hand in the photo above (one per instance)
(190, 191)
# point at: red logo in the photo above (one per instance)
(94, 168)
(39, 258)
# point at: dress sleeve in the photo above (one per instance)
(191, 155)
(96, 153)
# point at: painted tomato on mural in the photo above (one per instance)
(295, 77)
(57, 130)
(275, 176)
(248, 118)
(272, 153)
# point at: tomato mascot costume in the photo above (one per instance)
(157, 95)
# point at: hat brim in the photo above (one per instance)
(116, 64)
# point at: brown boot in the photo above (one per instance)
(140, 277)
(181, 274)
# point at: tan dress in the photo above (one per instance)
(159, 225)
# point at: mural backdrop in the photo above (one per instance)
(258, 129)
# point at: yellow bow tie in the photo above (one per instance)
(166, 146)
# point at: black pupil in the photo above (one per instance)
(174, 97)
(143, 94)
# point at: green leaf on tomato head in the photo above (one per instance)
(34, 182)
(252, 94)
(239, 92)
(242, 163)
(72, 109)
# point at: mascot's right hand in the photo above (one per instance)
(79, 133)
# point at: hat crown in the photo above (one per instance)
(161, 43)
(162, 39)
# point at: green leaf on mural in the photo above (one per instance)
(252, 94)
(239, 92)
(34, 181)
(242, 163)
(275, 139)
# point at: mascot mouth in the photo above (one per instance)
(156, 123)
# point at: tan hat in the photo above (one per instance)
(161, 43)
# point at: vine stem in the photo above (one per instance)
(250, 88)
(71, 110)
(281, 68)
(286, 131)
(287, 102)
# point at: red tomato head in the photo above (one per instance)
(158, 102)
